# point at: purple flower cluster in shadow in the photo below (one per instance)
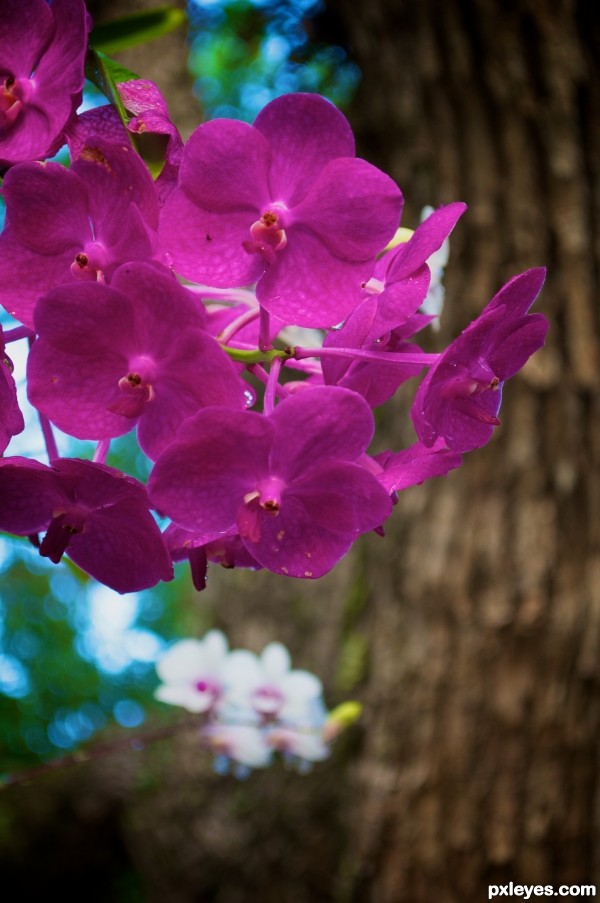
(244, 313)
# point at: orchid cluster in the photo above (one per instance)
(244, 312)
(252, 707)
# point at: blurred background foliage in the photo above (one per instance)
(76, 658)
(243, 54)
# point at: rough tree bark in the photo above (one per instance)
(472, 632)
(481, 753)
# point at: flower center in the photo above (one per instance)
(268, 232)
(269, 218)
(264, 500)
(14, 93)
(267, 701)
(270, 491)
(136, 388)
(90, 264)
(210, 689)
(477, 379)
(464, 389)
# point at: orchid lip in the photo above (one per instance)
(198, 563)
(64, 525)
(265, 241)
(10, 113)
(270, 495)
(135, 394)
(268, 232)
(14, 93)
(470, 384)
(267, 498)
(136, 388)
(267, 701)
(471, 409)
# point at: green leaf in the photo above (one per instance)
(106, 75)
(136, 28)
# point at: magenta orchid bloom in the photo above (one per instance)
(94, 513)
(42, 53)
(284, 202)
(143, 359)
(288, 484)
(387, 317)
(74, 225)
(268, 686)
(460, 397)
(401, 275)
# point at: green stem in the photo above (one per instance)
(256, 356)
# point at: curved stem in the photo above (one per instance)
(227, 296)
(272, 383)
(261, 374)
(237, 324)
(50, 441)
(264, 338)
(382, 357)
(97, 751)
(46, 426)
(19, 332)
(256, 356)
(99, 456)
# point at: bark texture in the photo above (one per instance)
(472, 631)
(485, 627)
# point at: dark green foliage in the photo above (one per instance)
(244, 54)
(138, 28)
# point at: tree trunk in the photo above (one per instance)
(481, 742)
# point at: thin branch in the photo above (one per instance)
(98, 751)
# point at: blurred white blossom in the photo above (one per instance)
(191, 672)
(253, 705)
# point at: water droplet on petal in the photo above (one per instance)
(250, 397)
